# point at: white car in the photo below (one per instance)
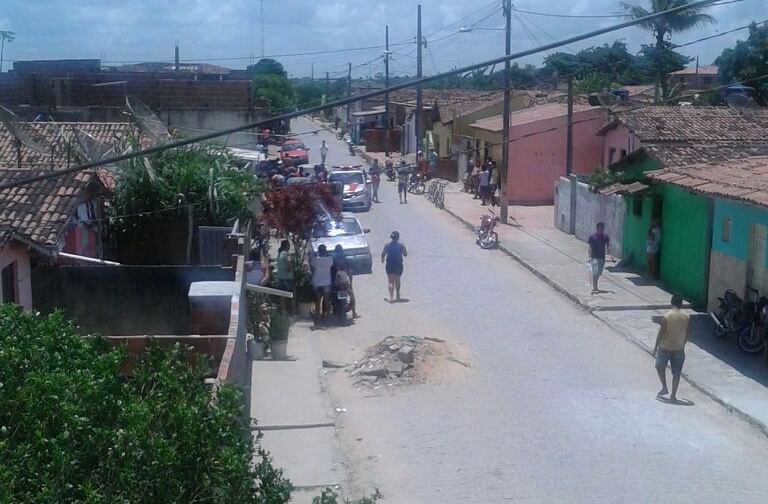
(348, 233)
(356, 194)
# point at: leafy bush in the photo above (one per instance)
(77, 426)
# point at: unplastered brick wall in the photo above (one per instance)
(204, 94)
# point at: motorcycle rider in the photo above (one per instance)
(389, 169)
(341, 266)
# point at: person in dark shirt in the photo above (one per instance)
(599, 244)
(393, 254)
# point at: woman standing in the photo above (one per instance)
(393, 254)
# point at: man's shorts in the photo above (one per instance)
(285, 284)
(401, 187)
(394, 268)
(674, 357)
(597, 267)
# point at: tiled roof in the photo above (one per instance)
(57, 143)
(530, 115)
(463, 101)
(38, 212)
(743, 179)
(654, 124)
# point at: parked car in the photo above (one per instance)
(348, 233)
(356, 194)
(296, 150)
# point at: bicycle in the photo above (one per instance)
(440, 196)
(432, 191)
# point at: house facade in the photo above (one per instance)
(659, 143)
(537, 148)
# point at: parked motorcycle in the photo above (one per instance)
(730, 316)
(417, 183)
(485, 234)
(752, 338)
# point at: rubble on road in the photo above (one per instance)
(393, 361)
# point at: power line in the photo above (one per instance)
(597, 16)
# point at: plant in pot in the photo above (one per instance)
(279, 326)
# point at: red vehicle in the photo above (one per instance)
(296, 150)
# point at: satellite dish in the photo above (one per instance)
(93, 149)
(22, 132)
(147, 121)
(607, 100)
(740, 103)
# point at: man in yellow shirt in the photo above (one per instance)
(670, 342)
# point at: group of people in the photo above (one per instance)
(329, 270)
(482, 180)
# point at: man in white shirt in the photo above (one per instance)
(323, 152)
(321, 281)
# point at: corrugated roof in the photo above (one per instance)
(39, 211)
(530, 115)
(744, 179)
(619, 188)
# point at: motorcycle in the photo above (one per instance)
(752, 338)
(340, 299)
(730, 316)
(485, 234)
(351, 146)
(389, 171)
(416, 184)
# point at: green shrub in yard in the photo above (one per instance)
(77, 426)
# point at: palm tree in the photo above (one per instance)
(5, 35)
(668, 24)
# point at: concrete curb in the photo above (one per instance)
(595, 312)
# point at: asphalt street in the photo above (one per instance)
(556, 406)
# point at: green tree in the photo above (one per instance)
(666, 25)
(747, 61)
(5, 36)
(270, 81)
(84, 422)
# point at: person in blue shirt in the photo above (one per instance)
(392, 255)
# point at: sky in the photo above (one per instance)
(312, 37)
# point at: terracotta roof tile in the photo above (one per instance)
(533, 114)
(40, 210)
(55, 145)
(744, 179)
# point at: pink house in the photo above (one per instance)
(41, 219)
(537, 148)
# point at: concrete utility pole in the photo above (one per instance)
(569, 131)
(349, 93)
(417, 122)
(503, 174)
(261, 20)
(386, 86)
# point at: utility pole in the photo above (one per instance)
(386, 95)
(417, 122)
(569, 131)
(312, 70)
(349, 93)
(504, 173)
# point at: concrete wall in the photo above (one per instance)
(725, 272)
(14, 252)
(591, 208)
(537, 154)
(122, 300)
(193, 122)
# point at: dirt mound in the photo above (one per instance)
(403, 360)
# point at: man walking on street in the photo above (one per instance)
(323, 152)
(598, 245)
(375, 173)
(393, 254)
(669, 347)
(403, 174)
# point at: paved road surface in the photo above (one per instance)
(556, 407)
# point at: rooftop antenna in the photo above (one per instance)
(23, 138)
(740, 103)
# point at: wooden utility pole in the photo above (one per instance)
(386, 95)
(417, 122)
(505, 144)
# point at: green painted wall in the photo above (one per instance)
(686, 225)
